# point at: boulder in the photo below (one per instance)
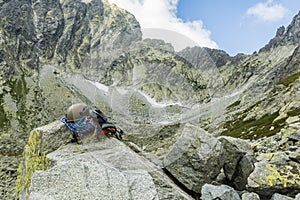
(277, 196)
(105, 169)
(42, 141)
(250, 196)
(274, 172)
(53, 135)
(239, 160)
(295, 155)
(222, 192)
(295, 136)
(278, 166)
(90, 177)
(292, 120)
(244, 168)
(195, 158)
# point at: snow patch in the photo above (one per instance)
(155, 103)
(100, 86)
(122, 91)
(86, 1)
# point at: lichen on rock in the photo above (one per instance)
(33, 159)
(41, 141)
(277, 169)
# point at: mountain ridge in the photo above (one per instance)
(284, 35)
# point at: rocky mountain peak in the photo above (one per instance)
(294, 27)
(280, 31)
(290, 35)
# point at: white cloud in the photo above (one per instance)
(268, 11)
(158, 20)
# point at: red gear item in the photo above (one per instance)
(106, 131)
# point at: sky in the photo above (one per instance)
(235, 26)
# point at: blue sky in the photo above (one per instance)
(231, 27)
(236, 26)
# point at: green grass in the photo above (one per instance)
(287, 81)
(294, 112)
(18, 92)
(3, 118)
(19, 88)
(253, 129)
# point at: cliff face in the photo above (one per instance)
(66, 31)
(35, 38)
(285, 36)
(55, 53)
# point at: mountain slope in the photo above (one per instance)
(35, 38)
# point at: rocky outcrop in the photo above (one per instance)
(238, 162)
(223, 192)
(277, 169)
(250, 196)
(42, 141)
(208, 61)
(195, 158)
(263, 166)
(283, 36)
(193, 167)
(105, 169)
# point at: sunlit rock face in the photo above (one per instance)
(285, 36)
